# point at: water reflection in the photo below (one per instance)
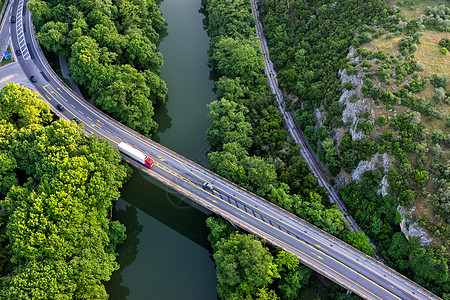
(166, 253)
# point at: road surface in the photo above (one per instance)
(314, 247)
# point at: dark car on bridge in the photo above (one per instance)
(60, 107)
(18, 52)
(13, 19)
(76, 120)
(208, 186)
(33, 79)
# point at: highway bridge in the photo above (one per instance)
(320, 251)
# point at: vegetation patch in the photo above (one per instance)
(397, 69)
(428, 52)
(112, 53)
(9, 60)
(56, 191)
(412, 9)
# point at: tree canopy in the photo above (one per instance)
(57, 241)
(112, 53)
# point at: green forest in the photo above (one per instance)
(250, 147)
(57, 240)
(309, 43)
(111, 47)
(368, 81)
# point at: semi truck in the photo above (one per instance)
(135, 154)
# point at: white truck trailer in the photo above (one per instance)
(135, 154)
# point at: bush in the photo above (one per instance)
(381, 121)
(444, 43)
(437, 136)
(420, 66)
(348, 86)
(438, 81)
(444, 50)
(439, 95)
(366, 37)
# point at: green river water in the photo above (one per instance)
(167, 255)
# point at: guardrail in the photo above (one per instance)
(259, 200)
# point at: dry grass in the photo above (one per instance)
(437, 123)
(384, 44)
(434, 62)
(427, 93)
(428, 51)
(425, 209)
(418, 9)
(429, 54)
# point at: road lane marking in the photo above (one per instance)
(323, 248)
(72, 105)
(89, 119)
(81, 112)
(212, 200)
(175, 159)
(167, 169)
(320, 257)
(83, 123)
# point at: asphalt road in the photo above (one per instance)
(322, 252)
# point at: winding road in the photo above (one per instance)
(326, 254)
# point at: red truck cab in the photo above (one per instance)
(149, 162)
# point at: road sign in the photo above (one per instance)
(6, 55)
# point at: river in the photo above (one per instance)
(167, 254)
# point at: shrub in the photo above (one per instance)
(439, 95)
(381, 121)
(444, 43)
(420, 66)
(366, 37)
(437, 136)
(348, 86)
(444, 50)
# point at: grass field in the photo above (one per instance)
(418, 8)
(6, 61)
(384, 44)
(429, 54)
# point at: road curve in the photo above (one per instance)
(314, 247)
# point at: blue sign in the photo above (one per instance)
(6, 54)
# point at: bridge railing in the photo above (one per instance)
(261, 201)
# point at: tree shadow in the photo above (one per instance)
(127, 251)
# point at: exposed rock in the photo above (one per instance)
(354, 108)
(343, 178)
(410, 228)
(371, 165)
(386, 163)
(364, 166)
(319, 116)
(384, 186)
